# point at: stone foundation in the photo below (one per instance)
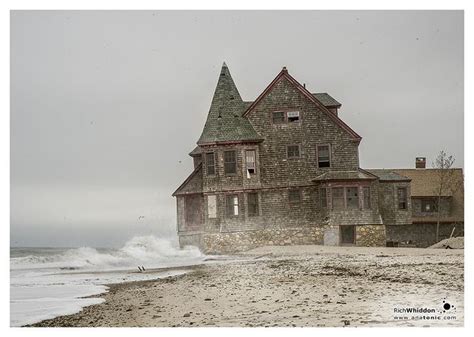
(370, 235)
(225, 243)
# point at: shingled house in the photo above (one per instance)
(284, 169)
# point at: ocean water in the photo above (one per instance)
(49, 282)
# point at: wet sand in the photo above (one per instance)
(303, 286)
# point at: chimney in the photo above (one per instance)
(420, 162)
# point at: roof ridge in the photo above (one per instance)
(304, 91)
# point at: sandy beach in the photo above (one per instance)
(303, 286)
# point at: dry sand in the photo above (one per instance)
(291, 286)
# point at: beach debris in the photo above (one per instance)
(346, 322)
(143, 268)
(187, 314)
(140, 269)
(451, 243)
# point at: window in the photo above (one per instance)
(428, 205)
(250, 162)
(323, 156)
(278, 117)
(338, 197)
(352, 197)
(293, 151)
(211, 206)
(323, 197)
(210, 164)
(232, 205)
(294, 195)
(230, 164)
(293, 116)
(366, 200)
(402, 198)
(252, 204)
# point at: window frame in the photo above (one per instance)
(329, 155)
(254, 162)
(357, 197)
(256, 205)
(231, 206)
(299, 151)
(293, 121)
(343, 197)
(405, 202)
(213, 163)
(234, 162)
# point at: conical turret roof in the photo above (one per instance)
(224, 121)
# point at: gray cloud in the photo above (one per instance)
(105, 105)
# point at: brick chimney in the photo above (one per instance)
(420, 162)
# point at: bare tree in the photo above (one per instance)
(447, 183)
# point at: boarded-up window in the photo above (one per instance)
(250, 161)
(402, 198)
(323, 156)
(294, 195)
(252, 204)
(293, 116)
(230, 163)
(337, 197)
(293, 151)
(232, 205)
(210, 164)
(278, 117)
(211, 206)
(352, 197)
(323, 197)
(366, 191)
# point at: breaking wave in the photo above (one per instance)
(148, 251)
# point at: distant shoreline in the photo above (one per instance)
(287, 286)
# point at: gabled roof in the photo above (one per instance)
(192, 184)
(284, 74)
(388, 175)
(224, 121)
(327, 100)
(345, 175)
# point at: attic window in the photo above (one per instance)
(293, 116)
(278, 117)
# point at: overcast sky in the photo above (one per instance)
(106, 105)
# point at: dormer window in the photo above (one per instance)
(293, 116)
